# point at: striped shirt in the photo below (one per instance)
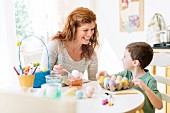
(59, 55)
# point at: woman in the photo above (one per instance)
(74, 47)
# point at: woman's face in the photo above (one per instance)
(85, 32)
(127, 61)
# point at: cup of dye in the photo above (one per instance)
(75, 79)
(53, 91)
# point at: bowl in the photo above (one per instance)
(53, 78)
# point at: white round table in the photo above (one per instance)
(122, 103)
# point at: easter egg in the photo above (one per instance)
(90, 88)
(125, 78)
(101, 80)
(18, 43)
(88, 93)
(119, 77)
(44, 69)
(106, 82)
(71, 91)
(118, 84)
(117, 81)
(75, 73)
(79, 94)
(125, 84)
(124, 81)
(112, 85)
(113, 77)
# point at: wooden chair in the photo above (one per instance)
(163, 60)
(17, 103)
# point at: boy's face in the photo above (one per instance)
(127, 61)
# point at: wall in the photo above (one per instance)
(115, 41)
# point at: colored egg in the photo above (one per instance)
(112, 88)
(44, 69)
(119, 77)
(71, 91)
(119, 86)
(101, 80)
(124, 81)
(88, 93)
(106, 82)
(90, 88)
(112, 83)
(79, 94)
(113, 77)
(125, 78)
(117, 81)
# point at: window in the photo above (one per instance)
(41, 18)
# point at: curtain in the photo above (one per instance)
(56, 13)
(8, 49)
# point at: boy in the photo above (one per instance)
(137, 56)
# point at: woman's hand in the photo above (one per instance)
(58, 69)
(101, 73)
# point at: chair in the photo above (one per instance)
(163, 80)
(163, 60)
(19, 103)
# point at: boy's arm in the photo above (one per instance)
(154, 99)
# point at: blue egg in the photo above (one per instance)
(79, 94)
(106, 82)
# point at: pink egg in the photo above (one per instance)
(90, 88)
(88, 93)
(112, 83)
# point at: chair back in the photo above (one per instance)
(162, 59)
(166, 81)
(17, 103)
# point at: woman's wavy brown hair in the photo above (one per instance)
(75, 19)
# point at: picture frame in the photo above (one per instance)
(131, 15)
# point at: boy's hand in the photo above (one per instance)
(140, 83)
(101, 73)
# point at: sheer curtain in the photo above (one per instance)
(8, 49)
(55, 13)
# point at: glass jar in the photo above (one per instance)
(75, 81)
(54, 91)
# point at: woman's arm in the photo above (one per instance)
(93, 68)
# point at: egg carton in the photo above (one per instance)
(118, 83)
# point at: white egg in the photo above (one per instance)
(75, 73)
